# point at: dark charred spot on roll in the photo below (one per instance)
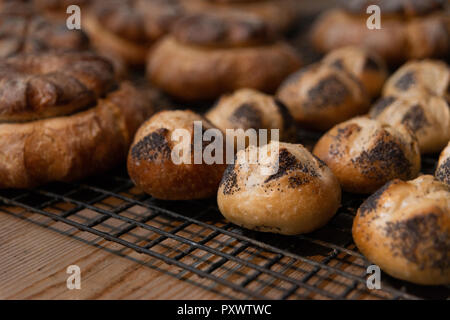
(287, 164)
(406, 81)
(200, 29)
(383, 159)
(329, 92)
(229, 181)
(380, 105)
(247, 116)
(338, 64)
(342, 134)
(421, 240)
(415, 118)
(443, 172)
(296, 76)
(371, 64)
(152, 147)
(371, 203)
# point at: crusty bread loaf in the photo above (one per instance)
(443, 167)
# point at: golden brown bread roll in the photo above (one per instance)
(364, 154)
(279, 15)
(404, 228)
(299, 196)
(427, 116)
(320, 96)
(32, 34)
(151, 165)
(443, 168)
(78, 121)
(208, 55)
(428, 76)
(364, 65)
(409, 29)
(250, 109)
(129, 28)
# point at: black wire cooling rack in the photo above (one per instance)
(193, 236)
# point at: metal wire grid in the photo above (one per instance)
(193, 237)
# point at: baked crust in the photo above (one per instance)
(443, 168)
(364, 154)
(300, 197)
(191, 72)
(37, 86)
(129, 27)
(150, 164)
(420, 77)
(404, 228)
(250, 109)
(320, 96)
(427, 116)
(364, 65)
(22, 33)
(71, 147)
(398, 39)
(279, 15)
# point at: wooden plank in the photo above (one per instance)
(34, 260)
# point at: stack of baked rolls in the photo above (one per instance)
(250, 109)
(162, 162)
(409, 29)
(335, 89)
(63, 117)
(207, 55)
(285, 190)
(417, 96)
(128, 28)
(279, 15)
(404, 228)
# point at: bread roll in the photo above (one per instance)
(404, 228)
(250, 109)
(320, 96)
(427, 116)
(287, 192)
(416, 77)
(151, 163)
(208, 55)
(364, 65)
(364, 154)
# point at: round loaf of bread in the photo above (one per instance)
(427, 116)
(282, 190)
(208, 55)
(364, 154)
(443, 168)
(404, 228)
(163, 165)
(320, 96)
(364, 65)
(414, 77)
(249, 109)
